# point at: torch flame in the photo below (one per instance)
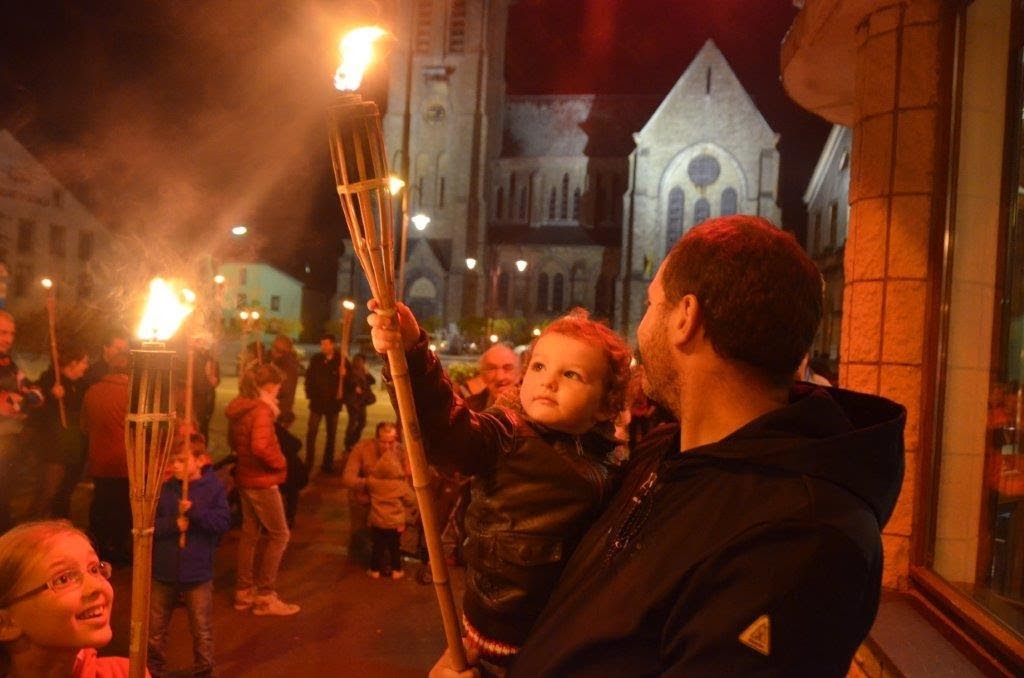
(356, 49)
(165, 310)
(349, 305)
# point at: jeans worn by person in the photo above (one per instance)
(198, 600)
(331, 424)
(262, 515)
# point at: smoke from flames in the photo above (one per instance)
(175, 121)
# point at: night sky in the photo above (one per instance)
(178, 120)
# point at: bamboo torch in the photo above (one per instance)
(190, 357)
(361, 172)
(51, 314)
(348, 308)
(148, 437)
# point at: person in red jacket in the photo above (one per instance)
(102, 419)
(261, 467)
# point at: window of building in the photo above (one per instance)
(243, 276)
(674, 217)
(558, 292)
(833, 224)
(701, 211)
(576, 205)
(424, 21)
(543, 300)
(564, 212)
(729, 201)
(22, 280)
(524, 204)
(503, 291)
(512, 196)
(976, 535)
(703, 170)
(85, 246)
(440, 192)
(499, 204)
(85, 285)
(552, 202)
(241, 300)
(598, 199)
(275, 302)
(578, 285)
(457, 26)
(57, 233)
(26, 227)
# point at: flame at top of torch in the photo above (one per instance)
(356, 49)
(165, 310)
(348, 305)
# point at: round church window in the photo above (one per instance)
(703, 170)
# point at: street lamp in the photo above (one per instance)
(470, 263)
(521, 265)
(239, 230)
(420, 221)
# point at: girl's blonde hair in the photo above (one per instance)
(20, 547)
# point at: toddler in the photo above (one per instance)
(391, 506)
(543, 464)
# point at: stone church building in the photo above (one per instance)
(583, 192)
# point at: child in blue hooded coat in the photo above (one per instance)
(187, 572)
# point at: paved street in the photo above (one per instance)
(350, 625)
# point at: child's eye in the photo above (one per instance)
(64, 579)
(573, 375)
(536, 367)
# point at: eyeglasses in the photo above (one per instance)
(66, 581)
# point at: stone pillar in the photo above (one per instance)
(896, 187)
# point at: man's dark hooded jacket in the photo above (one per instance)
(760, 554)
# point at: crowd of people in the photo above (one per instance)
(723, 519)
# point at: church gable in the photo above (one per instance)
(711, 104)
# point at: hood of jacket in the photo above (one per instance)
(853, 440)
(240, 406)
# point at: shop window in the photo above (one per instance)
(977, 530)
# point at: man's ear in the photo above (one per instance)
(685, 321)
(9, 630)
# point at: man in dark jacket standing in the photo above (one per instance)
(746, 541)
(322, 378)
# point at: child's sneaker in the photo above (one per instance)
(271, 605)
(243, 599)
(374, 574)
(397, 574)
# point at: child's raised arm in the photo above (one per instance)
(455, 437)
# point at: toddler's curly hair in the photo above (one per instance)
(578, 325)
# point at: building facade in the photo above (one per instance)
(45, 232)
(828, 214)
(581, 191)
(277, 296)
(933, 299)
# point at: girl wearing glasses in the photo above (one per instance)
(54, 604)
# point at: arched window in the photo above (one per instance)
(701, 211)
(578, 285)
(564, 214)
(499, 204)
(576, 205)
(524, 212)
(503, 290)
(542, 293)
(674, 217)
(552, 200)
(558, 292)
(512, 197)
(603, 296)
(728, 201)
